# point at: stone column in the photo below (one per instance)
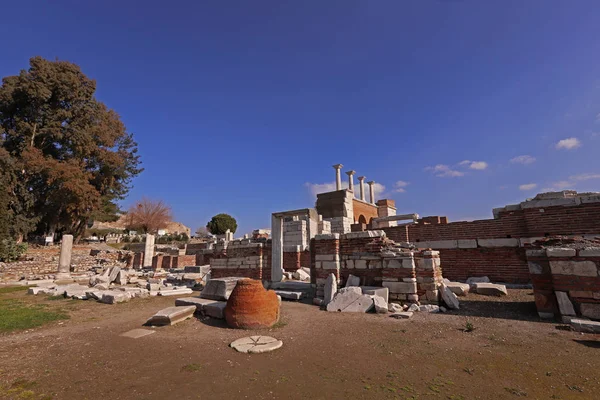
(350, 180)
(338, 176)
(361, 179)
(64, 262)
(148, 251)
(372, 191)
(276, 249)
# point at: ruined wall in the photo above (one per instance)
(365, 209)
(44, 261)
(566, 281)
(409, 275)
(242, 259)
(466, 247)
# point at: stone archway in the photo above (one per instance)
(362, 219)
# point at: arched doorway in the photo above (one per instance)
(362, 219)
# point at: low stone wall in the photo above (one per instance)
(566, 281)
(44, 261)
(241, 259)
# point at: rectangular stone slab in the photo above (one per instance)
(219, 289)
(171, 315)
(137, 333)
(215, 310)
(490, 289)
(350, 302)
(379, 291)
(194, 301)
(289, 295)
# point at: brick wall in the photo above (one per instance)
(573, 274)
(500, 264)
(240, 259)
(367, 210)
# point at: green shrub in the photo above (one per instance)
(11, 250)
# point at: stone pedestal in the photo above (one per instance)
(64, 262)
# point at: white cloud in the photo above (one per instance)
(571, 182)
(568, 144)
(316, 188)
(477, 165)
(525, 159)
(399, 186)
(584, 177)
(528, 186)
(444, 171)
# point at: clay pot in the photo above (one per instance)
(251, 306)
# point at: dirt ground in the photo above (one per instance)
(509, 354)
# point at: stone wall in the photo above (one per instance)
(44, 261)
(242, 259)
(566, 281)
(411, 275)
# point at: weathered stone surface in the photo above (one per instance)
(301, 275)
(352, 281)
(432, 308)
(215, 310)
(113, 296)
(401, 287)
(478, 279)
(449, 297)
(590, 310)
(194, 301)
(219, 289)
(490, 289)
(560, 252)
(330, 289)
(353, 289)
(584, 325)
(395, 307)
(94, 294)
(114, 272)
(350, 302)
(290, 295)
(317, 301)
(137, 333)
(175, 292)
(413, 308)
(535, 268)
(402, 315)
(579, 268)
(564, 304)
(256, 344)
(121, 278)
(379, 291)
(171, 315)
(458, 288)
(590, 252)
(381, 306)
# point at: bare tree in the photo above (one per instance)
(149, 215)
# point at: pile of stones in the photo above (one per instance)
(113, 285)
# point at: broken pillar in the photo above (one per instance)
(148, 251)
(64, 261)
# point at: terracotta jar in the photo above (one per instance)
(251, 306)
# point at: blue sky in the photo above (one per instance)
(243, 106)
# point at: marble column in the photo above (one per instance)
(338, 176)
(372, 191)
(149, 251)
(350, 180)
(64, 261)
(277, 249)
(361, 180)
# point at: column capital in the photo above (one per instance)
(350, 173)
(362, 178)
(338, 166)
(370, 182)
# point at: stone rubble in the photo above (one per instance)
(449, 297)
(171, 315)
(490, 289)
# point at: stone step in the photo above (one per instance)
(290, 295)
(294, 286)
